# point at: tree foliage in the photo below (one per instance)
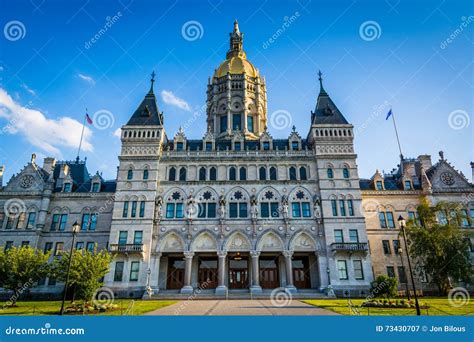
(86, 273)
(384, 286)
(440, 248)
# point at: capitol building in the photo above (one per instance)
(236, 211)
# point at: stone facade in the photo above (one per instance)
(237, 210)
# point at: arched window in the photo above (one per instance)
(175, 205)
(269, 206)
(172, 174)
(303, 175)
(232, 174)
(207, 204)
(182, 174)
(300, 204)
(243, 173)
(202, 174)
(292, 173)
(345, 172)
(213, 174)
(273, 173)
(129, 174)
(145, 174)
(238, 207)
(330, 173)
(262, 173)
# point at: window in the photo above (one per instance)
(358, 271)
(118, 273)
(390, 220)
(95, 187)
(262, 173)
(79, 245)
(243, 173)
(8, 245)
(125, 209)
(382, 220)
(269, 209)
(179, 146)
(85, 221)
(353, 235)
(342, 269)
(223, 122)
(294, 145)
(54, 222)
(130, 174)
(63, 222)
(123, 235)
(137, 237)
(442, 219)
(305, 209)
(232, 174)
(90, 247)
(10, 221)
(273, 173)
(208, 146)
(330, 173)
(142, 209)
(391, 271)
(296, 209)
(48, 246)
(174, 210)
(266, 145)
(134, 269)
(303, 175)
(172, 174)
(342, 208)
(207, 210)
(464, 218)
(182, 174)
(292, 173)
(202, 174)
(250, 123)
(238, 210)
(402, 277)
(134, 209)
(2, 219)
(407, 185)
(338, 236)
(386, 247)
(145, 174)
(345, 172)
(350, 207)
(334, 207)
(413, 215)
(379, 185)
(396, 246)
(59, 248)
(21, 221)
(25, 243)
(471, 212)
(237, 146)
(67, 187)
(213, 174)
(300, 209)
(236, 122)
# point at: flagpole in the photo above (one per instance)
(82, 134)
(396, 133)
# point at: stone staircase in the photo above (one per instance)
(231, 295)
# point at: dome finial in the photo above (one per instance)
(236, 26)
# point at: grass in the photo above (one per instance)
(124, 307)
(437, 307)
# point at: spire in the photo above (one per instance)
(152, 81)
(321, 88)
(326, 111)
(147, 113)
(236, 42)
(236, 26)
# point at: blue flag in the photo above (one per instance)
(388, 114)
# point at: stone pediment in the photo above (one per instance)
(31, 178)
(445, 177)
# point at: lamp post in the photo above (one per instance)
(400, 251)
(402, 223)
(75, 230)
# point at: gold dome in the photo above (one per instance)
(236, 65)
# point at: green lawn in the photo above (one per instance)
(438, 307)
(139, 307)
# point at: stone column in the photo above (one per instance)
(289, 271)
(187, 288)
(221, 287)
(323, 271)
(155, 272)
(255, 288)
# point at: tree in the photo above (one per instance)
(439, 246)
(22, 267)
(384, 286)
(86, 273)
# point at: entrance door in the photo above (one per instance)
(207, 274)
(238, 273)
(175, 273)
(301, 277)
(269, 278)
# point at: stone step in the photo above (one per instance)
(162, 295)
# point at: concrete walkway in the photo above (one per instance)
(239, 307)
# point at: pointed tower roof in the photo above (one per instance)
(326, 111)
(147, 113)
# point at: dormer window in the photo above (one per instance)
(294, 145)
(237, 146)
(179, 146)
(208, 146)
(408, 185)
(130, 174)
(266, 145)
(67, 187)
(95, 187)
(379, 185)
(145, 174)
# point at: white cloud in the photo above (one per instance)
(118, 132)
(86, 78)
(171, 99)
(28, 89)
(47, 134)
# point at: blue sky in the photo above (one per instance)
(415, 56)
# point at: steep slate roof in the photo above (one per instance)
(326, 112)
(147, 113)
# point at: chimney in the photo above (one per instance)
(472, 168)
(48, 164)
(2, 170)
